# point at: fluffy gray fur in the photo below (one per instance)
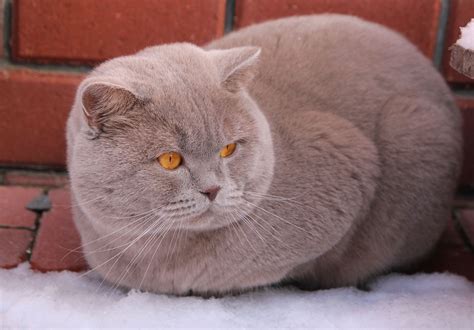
(348, 153)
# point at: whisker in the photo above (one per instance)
(165, 232)
(155, 236)
(127, 233)
(267, 230)
(70, 205)
(276, 216)
(272, 196)
(119, 254)
(254, 228)
(109, 234)
(234, 226)
(289, 201)
(137, 215)
(244, 234)
(173, 242)
(154, 226)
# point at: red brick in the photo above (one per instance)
(92, 31)
(467, 107)
(13, 201)
(57, 245)
(2, 6)
(34, 109)
(461, 12)
(466, 220)
(41, 179)
(451, 255)
(458, 261)
(417, 20)
(13, 246)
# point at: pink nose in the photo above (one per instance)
(211, 192)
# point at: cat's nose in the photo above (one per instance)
(211, 192)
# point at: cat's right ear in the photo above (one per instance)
(236, 66)
(101, 101)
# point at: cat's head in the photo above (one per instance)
(170, 137)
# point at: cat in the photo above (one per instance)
(317, 150)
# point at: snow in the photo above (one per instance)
(66, 299)
(467, 36)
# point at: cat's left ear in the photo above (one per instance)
(104, 102)
(236, 66)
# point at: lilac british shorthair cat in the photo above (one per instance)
(319, 151)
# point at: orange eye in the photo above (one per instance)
(170, 160)
(227, 150)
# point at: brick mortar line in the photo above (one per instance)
(441, 33)
(7, 27)
(34, 173)
(54, 68)
(31, 246)
(36, 228)
(461, 92)
(229, 16)
(66, 69)
(17, 227)
(33, 169)
(34, 231)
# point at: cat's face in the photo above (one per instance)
(189, 107)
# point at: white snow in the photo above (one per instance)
(66, 299)
(467, 36)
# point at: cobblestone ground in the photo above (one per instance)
(36, 226)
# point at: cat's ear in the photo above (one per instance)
(236, 66)
(103, 100)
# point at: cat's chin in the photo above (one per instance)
(210, 219)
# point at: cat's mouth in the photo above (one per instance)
(203, 214)
(211, 217)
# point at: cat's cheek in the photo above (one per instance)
(167, 181)
(247, 162)
(237, 167)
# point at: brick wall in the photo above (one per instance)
(49, 45)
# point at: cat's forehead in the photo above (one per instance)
(193, 123)
(196, 124)
(185, 103)
(168, 68)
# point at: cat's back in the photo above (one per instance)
(389, 96)
(334, 63)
